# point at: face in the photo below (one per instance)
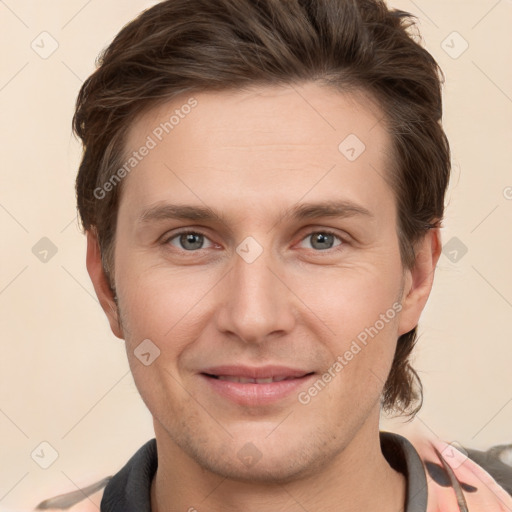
(273, 302)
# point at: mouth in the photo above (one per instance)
(249, 380)
(252, 386)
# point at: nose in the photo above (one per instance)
(256, 301)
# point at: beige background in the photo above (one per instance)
(64, 377)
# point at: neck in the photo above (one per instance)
(358, 478)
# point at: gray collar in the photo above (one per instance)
(403, 457)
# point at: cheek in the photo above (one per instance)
(162, 305)
(356, 375)
(151, 294)
(363, 318)
(350, 300)
(369, 330)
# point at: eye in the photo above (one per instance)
(187, 240)
(191, 241)
(322, 240)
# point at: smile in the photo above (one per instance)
(254, 387)
(248, 380)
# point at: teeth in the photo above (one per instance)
(228, 377)
(245, 380)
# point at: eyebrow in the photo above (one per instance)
(335, 208)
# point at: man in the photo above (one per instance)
(262, 189)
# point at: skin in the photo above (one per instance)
(250, 155)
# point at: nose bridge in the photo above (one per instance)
(256, 301)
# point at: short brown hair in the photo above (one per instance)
(181, 46)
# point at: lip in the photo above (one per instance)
(255, 394)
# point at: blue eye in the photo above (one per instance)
(192, 241)
(188, 240)
(322, 240)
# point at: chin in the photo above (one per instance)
(277, 471)
(259, 461)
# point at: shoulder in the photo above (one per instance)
(485, 477)
(86, 499)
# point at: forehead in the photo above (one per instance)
(273, 142)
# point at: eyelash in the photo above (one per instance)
(343, 241)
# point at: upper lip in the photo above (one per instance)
(253, 372)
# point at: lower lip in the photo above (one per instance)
(256, 394)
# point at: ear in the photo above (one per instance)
(419, 279)
(101, 283)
